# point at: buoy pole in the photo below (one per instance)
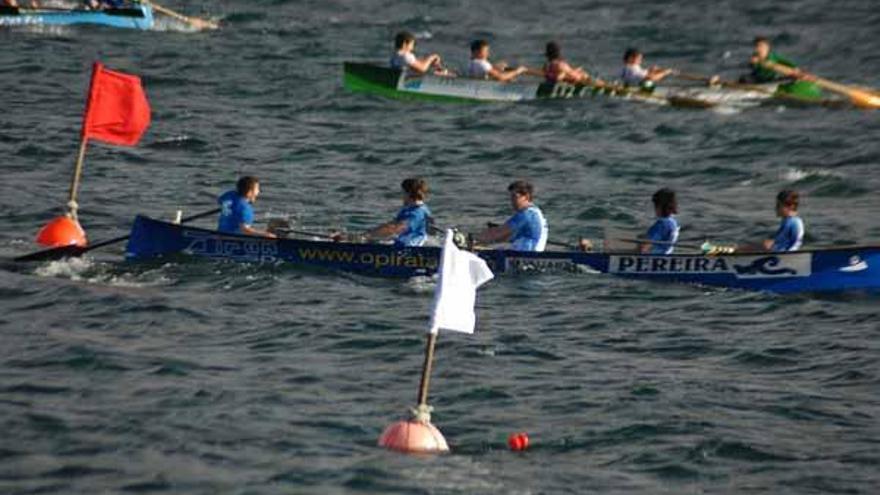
(417, 435)
(74, 183)
(65, 230)
(426, 369)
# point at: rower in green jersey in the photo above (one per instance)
(796, 87)
(763, 53)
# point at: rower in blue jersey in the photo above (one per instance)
(790, 235)
(236, 210)
(526, 229)
(410, 226)
(664, 232)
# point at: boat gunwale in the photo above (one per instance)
(527, 253)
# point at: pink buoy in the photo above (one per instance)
(413, 437)
(62, 231)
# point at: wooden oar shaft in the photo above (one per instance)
(177, 15)
(726, 84)
(860, 97)
(662, 243)
(549, 242)
(302, 232)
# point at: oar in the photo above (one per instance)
(861, 98)
(74, 251)
(195, 22)
(725, 84)
(665, 243)
(302, 232)
(549, 242)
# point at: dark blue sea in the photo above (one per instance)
(188, 376)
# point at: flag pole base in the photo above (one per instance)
(416, 435)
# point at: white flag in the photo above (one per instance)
(461, 273)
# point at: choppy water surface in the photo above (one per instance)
(201, 377)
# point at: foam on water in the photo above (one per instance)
(799, 174)
(87, 270)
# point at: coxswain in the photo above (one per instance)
(557, 70)
(480, 67)
(633, 74)
(790, 234)
(405, 59)
(410, 226)
(527, 229)
(664, 232)
(237, 211)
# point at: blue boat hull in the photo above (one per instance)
(829, 270)
(136, 17)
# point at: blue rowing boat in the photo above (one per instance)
(823, 270)
(137, 16)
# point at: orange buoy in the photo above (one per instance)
(413, 437)
(518, 441)
(62, 231)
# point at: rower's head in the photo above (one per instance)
(665, 202)
(762, 47)
(521, 194)
(480, 49)
(632, 56)
(404, 41)
(415, 190)
(248, 187)
(553, 51)
(787, 203)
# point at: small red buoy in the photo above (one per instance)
(413, 437)
(518, 441)
(62, 231)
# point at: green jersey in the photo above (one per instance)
(761, 74)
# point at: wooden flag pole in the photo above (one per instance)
(74, 183)
(426, 373)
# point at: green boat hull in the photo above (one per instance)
(391, 83)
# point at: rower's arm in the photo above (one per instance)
(506, 75)
(422, 65)
(385, 230)
(500, 233)
(247, 229)
(657, 74)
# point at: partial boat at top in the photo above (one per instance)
(136, 16)
(394, 83)
(819, 270)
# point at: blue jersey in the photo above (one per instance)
(416, 218)
(665, 232)
(234, 211)
(790, 235)
(529, 229)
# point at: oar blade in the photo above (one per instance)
(865, 99)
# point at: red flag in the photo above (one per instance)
(117, 111)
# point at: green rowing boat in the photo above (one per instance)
(392, 83)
